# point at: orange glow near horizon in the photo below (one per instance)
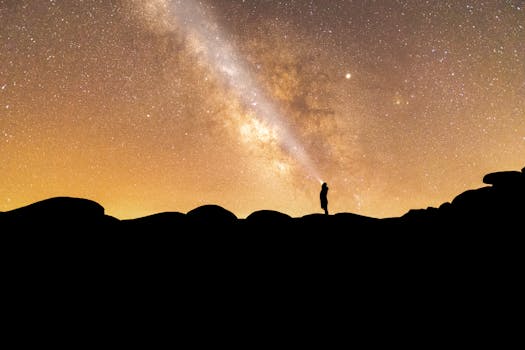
(398, 106)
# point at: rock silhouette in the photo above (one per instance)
(502, 202)
(58, 213)
(489, 207)
(161, 222)
(211, 216)
(268, 219)
(471, 243)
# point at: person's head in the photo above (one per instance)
(325, 185)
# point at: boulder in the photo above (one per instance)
(160, 222)
(57, 213)
(506, 179)
(268, 218)
(473, 200)
(211, 215)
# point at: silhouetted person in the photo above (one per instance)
(324, 197)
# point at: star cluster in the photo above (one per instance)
(397, 104)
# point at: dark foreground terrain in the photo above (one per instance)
(427, 276)
(484, 223)
(499, 207)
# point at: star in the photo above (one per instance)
(159, 105)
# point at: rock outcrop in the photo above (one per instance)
(73, 214)
(499, 205)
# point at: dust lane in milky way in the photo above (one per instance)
(208, 43)
(396, 104)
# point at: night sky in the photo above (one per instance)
(158, 105)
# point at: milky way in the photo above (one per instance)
(396, 104)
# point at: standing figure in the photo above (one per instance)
(324, 197)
